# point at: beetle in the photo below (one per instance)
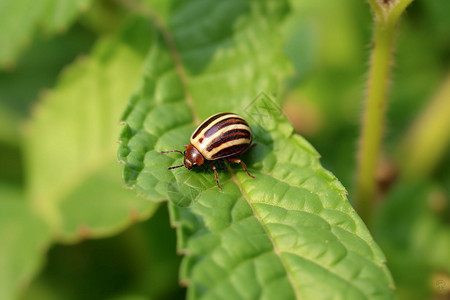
(221, 136)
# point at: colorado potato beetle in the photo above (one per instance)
(221, 136)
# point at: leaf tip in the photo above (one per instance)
(184, 282)
(134, 215)
(130, 187)
(84, 232)
(175, 224)
(184, 252)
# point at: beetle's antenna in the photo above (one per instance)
(174, 167)
(171, 151)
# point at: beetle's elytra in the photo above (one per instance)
(221, 136)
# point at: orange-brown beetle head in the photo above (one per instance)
(192, 157)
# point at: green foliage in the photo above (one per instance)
(292, 227)
(78, 122)
(410, 223)
(69, 68)
(24, 239)
(140, 261)
(90, 99)
(19, 20)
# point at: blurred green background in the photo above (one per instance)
(329, 46)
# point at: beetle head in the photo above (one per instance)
(192, 157)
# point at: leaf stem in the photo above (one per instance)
(386, 16)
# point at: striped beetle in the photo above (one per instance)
(221, 136)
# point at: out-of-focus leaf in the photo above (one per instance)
(19, 20)
(9, 129)
(141, 260)
(290, 232)
(328, 47)
(412, 90)
(70, 159)
(24, 237)
(424, 148)
(410, 228)
(38, 70)
(436, 10)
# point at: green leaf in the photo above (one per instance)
(24, 238)
(412, 229)
(289, 233)
(70, 145)
(19, 20)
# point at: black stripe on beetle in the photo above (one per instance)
(222, 124)
(205, 123)
(231, 151)
(230, 135)
(221, 136)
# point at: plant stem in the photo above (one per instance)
(386, 20)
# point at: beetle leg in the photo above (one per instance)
(238, 161)
(171, 151)
(174, 167)
(215, 174)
